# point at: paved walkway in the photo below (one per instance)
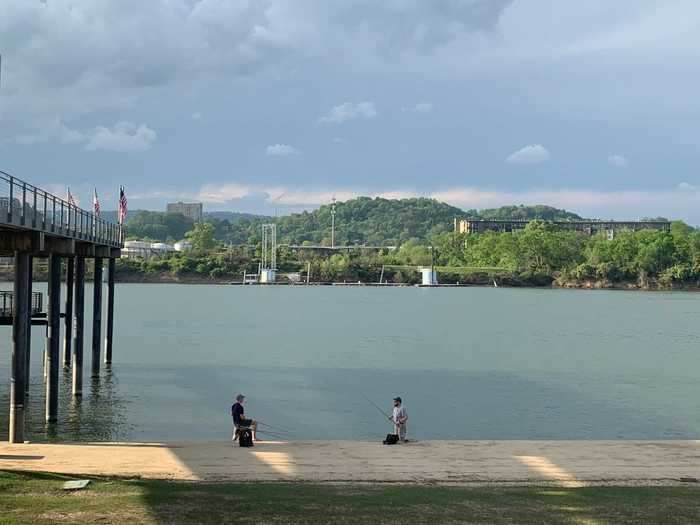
(565, 463)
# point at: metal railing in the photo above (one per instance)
(25, 206)
(7, 300)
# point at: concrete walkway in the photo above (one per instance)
(563, 463)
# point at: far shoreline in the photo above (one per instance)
(478, 282)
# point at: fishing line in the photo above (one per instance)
(273, 434)
(376, 406)
(275, 428)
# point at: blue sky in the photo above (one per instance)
(263, 105)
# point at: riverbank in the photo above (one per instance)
(483, 281)
(568, 464)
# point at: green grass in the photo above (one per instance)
(38, 498)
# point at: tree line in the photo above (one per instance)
(540, 254)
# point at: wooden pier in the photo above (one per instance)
(36, 224)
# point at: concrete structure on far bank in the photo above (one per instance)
(590, 227)
(192, 210)
(146, 250)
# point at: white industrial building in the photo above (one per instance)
(146, 250)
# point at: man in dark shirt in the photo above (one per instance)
(239, 420)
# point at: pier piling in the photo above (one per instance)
(97, 317)
(68, 319)
(53, 329)
(111, 266)
(78, 325)
(34, 223)
(20, 329)
(30, 264)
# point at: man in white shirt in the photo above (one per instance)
(399, 418)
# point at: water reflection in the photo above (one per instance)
(99, 415)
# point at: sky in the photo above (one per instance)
(280, 105)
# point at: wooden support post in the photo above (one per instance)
(20, 329)
(53, 333)
(68, 319)
(78, 324)
(30, 264)
(97, 317)
(111, 266)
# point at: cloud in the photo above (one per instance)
(124, 137)
(339, 140)
(421, 107)
(222, 193)
(533, 154)
(281, 150)
(349, 111)
(52, 131)
(681, 202)
(618, 161)
(197, 115)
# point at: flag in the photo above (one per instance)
(96, 204)
(122, 205)
(71, 200)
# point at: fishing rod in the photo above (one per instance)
(376, 406)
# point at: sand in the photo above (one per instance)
(562, 463)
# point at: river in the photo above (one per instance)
(470, 363)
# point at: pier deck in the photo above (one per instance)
(561, 463)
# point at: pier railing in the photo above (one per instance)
(7, 303)
(25, 206)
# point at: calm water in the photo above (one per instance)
(470, 363)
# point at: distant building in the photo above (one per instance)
(145, 249)
(193, 210)
(590, 227)
(182, 246)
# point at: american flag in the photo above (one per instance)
(71, 200)
(96, 204)
(122, 205)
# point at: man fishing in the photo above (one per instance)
(399, 417)
(239, 421)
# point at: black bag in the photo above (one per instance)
(245, 437)
(391, 439)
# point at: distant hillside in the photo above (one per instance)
(539, 211)
(365, 220)
(232, 216)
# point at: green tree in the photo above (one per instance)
(202, 236)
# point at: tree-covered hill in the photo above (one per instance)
(370, 221)
(527, 213)
(365, 220)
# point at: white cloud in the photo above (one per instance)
(349, 111)
(124, 137)
(681, 202)
(339, 140)
(533, 154)
(281, 150)
(421, 107)
(197, 115)
(223, 193)
(618, 161)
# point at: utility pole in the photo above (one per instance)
(333, 224)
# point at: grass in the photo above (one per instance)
(38, 498)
